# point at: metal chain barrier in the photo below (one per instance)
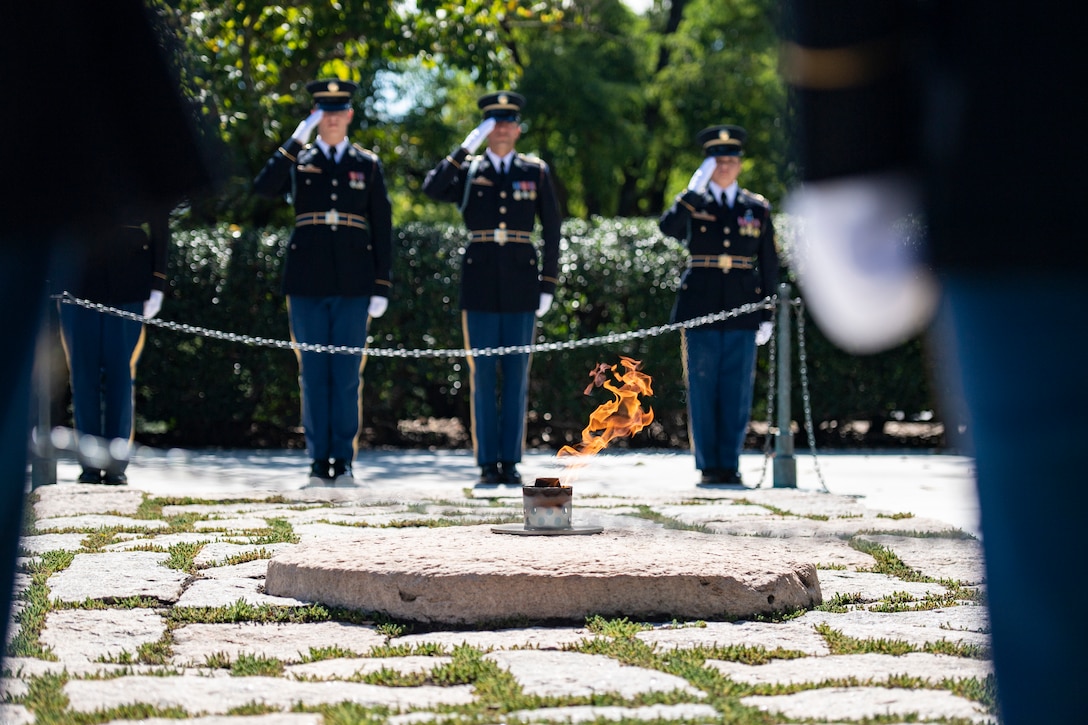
(608, 339)
(805, 395)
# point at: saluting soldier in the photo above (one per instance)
(125, 268)
(337, 271)
(505, 282)
(733, 262)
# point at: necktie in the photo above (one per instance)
(332, 154)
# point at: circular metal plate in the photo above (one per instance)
(520, 530)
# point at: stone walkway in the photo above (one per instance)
(146, 603)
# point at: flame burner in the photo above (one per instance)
(548, 508)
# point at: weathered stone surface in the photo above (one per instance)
(523, 638)
(58, 501)
(781, 635)
(165, 541)
(855, 703)
(221, 551)
(218, 695)
(233, 525)
(868, 667)
(51, 542)
(343, 668)
(468, 574)
(276, 718)
(779, 526)
(224, 592)
(966, 625)
(255, 569)
(194, 643)
(89, 635)
(573, 674)
(116, 575)
(586, 713)
(957, 559)
(15, 715)
(94, 522)
(872, 587)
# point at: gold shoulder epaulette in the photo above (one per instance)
(757, 197)
(364, 151)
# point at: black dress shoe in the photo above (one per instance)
(510, 474)
(320, 469)
(732, 477)
(89, 476)
(712, 475)
(115, 479)
(340, 467)
(490, 475)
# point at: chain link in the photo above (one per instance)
(607, 339)
(805, 396)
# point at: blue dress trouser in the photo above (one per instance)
(1018, 361)
(719, 370)
(498, 422)
(330, 382)
(102, 353)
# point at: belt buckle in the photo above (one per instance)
(331, 217)
(500, 236)
(725, 262)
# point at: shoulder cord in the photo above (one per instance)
(468, 182)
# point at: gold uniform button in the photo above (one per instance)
(726, 230)
(502, 209)
(725, 244)
(333, 197)
(702, 228)
(502, 194)
(335, 182)
(502, 225)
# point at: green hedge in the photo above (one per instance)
(617, 275)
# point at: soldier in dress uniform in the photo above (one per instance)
(337, 271)
(125, 268)
(504, 283)
(733, 262)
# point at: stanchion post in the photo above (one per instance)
(785, 466)
(43, 459)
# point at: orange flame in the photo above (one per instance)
(620, 417)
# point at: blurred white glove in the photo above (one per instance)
(306, 128)
(763, 334)
(701, 177)
(857, 263)
(545, 302)
(153, 304)
(477, 135)
(378, 306)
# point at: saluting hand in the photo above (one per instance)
(478, 134)
(306, 128)
(701, 178)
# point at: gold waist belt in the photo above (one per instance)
(501, 236)
(331, 218)
(724, 262)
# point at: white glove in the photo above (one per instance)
(763, 334)
(153, 304)
(477, 135)
(306, 128)
(378, 306)
(857, 263)
(545, 302)
(701, 177)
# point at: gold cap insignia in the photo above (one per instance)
(333, 87)
(504, 99)
(723, 135)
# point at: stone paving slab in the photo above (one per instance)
(90, 635)
(15, 715)
(293, 718)
(469, 575)
(51, 542)
(116, 575)
(247, 570)
(967, 625)
(345, 668)
(162, 541)
(219, 695)
(867, 667)
(68, 501)
(693, 713)
(573, 674)
(194, 643)
(221, 551)
(872, 587)
(956, 559)
(516, 638)
(222, 592)
(95, 522)
(853, 703)
(770, 636)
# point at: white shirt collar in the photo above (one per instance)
(321, 144)
(730, 192)
(497, 160)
